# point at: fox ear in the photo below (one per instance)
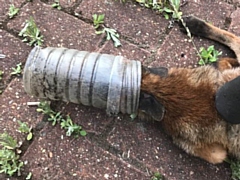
(228, 101)
(150, 106)
(161, 71)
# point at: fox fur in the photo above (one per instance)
(188, 96)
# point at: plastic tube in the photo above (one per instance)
(92, 79)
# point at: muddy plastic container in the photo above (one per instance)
(92, 79)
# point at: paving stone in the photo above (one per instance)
(127, 50)
(82, 159)
(213, 11)
(66, 4)
(59, 29)
(14, 108)
(235, 24)
(138, 24)
(235, 1)
(14, 50)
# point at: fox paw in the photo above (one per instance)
(195, 25)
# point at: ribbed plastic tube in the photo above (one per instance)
(92, 79)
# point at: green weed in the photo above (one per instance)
(56, 117)
(133, 116)
(24, 128)
(57, 5)
(111, 34)
(12, 11)
(31, 33)
(176, 14)
(72, 128)
(17, 70)
(208, 55)
(157, 176)
(1, 74)
(98, 20)
(44, 107)
(29, 176)
(7, 141)
(169, 8)
(235, 168)
(9, 160)
(154, 4)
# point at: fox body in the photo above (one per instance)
(188, 97)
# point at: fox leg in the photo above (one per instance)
(211, 152)
(227, 63)
(201, 28)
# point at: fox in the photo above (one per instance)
(183, 100)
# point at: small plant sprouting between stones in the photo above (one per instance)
(166, 7)
(71, 128)
(176, 14)
(98, 20)
(170, 7)
(208, 55)
(29, 176)
(17, 70)
(57, 5)
(157, 176)
(12, 11)
(1, 74)
(111, 34)
(154, 4)
(133, 116)
(235, 168)
(9, 159)
(8, 141)
(24, 128)
(31, 33)
(56, 117)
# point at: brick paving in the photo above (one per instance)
(115, 147)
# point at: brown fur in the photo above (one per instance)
(188, 96)
(227, 63)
